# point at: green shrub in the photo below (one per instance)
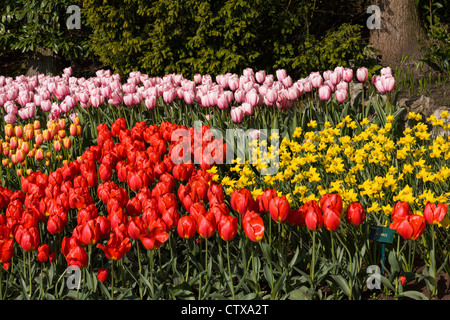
(161, 36)
(29, 26)
(436, 48)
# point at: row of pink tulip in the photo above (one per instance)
(59, 95)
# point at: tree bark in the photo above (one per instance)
(399, 31)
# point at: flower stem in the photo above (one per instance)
(188, 259)
(229, 271)
(112, 279)
(29, 270)
(139, 263)
(313, 261)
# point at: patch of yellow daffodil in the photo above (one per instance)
(368, 166)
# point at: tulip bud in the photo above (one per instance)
(62, 124)
(36, 124)
(47, 135)
(18, 131)
(57, 145)
(25, 147)
(39, 155)
(102, 274)
(13, 143)
(324, 92)
(43, 253)
(355, 213)
(279, 209)
(76, 120)
(433, 213)
(9, 130)
(39, 139)
(20, 155)
(73, 130)
(29, 133)
(67, 143)
(61, 134)
(362, 74)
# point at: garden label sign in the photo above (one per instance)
(383, 235)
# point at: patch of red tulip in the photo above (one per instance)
(408, 225)
(125, 188)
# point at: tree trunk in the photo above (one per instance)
(399, 31)
(44, 62)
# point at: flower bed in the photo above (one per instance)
(158, 188)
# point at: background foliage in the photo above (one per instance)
(209, 37)
(160, 37)
(29, 26)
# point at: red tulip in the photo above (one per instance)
(197, 209)
(56, 222)
(313, 215)
(215, 193)
(296, 218)
(334, 200)
(206, 224)
(433, 213)
(409, 227)
(186, 227)
(87, 213)
(279, 209)
(331, 218)
(68, 243)
(43, 253)
(156, 234)
(6, 249)
(355, 213)
(219, 210)
(167, 201)
(27, 238)
(200, 187)
(52, 256)
(227, 227)
(102, 274)
(29, 219)
(401, 210)
(171, 217)
(79, 198)
(90, 233)
(119, 125)
(253, 226)
(117, 217)
(135, 227)
(105, 226)
(242, 200)
(182, 172)
(137, 179)
(77, 256)
(265, 198)
(116, 247)
(105, 172)
(187, 197)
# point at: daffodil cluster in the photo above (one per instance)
(370, 165)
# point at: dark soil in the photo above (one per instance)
(14, 63)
